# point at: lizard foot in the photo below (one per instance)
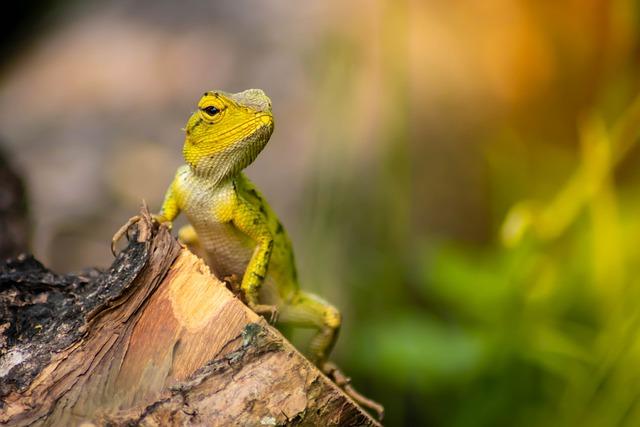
(332, 371)
(124, 230)
(269, 312)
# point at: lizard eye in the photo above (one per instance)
(211, 110)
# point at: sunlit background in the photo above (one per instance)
(460, 178)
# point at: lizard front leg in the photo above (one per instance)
(252, 222)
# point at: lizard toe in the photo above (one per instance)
(122, 231)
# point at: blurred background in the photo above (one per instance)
(460, 178)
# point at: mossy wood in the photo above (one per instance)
(155, 340)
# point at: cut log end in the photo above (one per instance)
(155, 340)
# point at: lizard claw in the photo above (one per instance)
(270, 312)
(341, 380)
(124, 230)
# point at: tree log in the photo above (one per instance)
(154, 340)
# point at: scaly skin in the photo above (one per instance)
(230, 221)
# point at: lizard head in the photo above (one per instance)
(227, 132)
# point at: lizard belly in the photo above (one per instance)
(207, 206)
(228, 250)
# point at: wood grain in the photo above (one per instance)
(160, 342)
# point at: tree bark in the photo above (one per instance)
(154, 340)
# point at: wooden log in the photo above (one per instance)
(155, 340)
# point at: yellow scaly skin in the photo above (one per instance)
(230, 221)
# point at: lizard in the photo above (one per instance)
(233, 227)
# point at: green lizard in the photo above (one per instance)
(232, 225)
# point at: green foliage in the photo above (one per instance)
(538, 326)
(521, 310)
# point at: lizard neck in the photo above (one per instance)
(197, 179)
(213, 170)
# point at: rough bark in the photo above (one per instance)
(155, 340)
